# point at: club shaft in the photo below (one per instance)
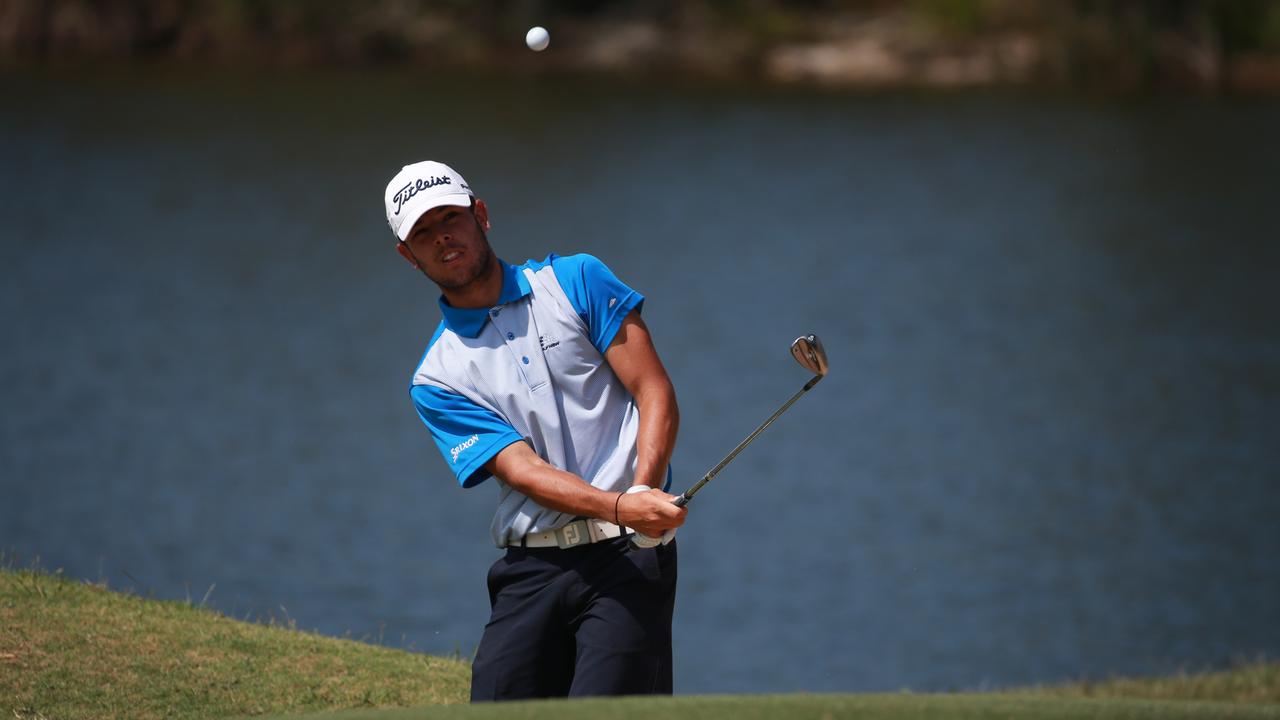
(688, 494)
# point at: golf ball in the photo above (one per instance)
(537, 38)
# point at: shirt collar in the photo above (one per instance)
(468, 322)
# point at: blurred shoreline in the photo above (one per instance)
(1188, 46)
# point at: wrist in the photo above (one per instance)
(654, 477)
(617, 503)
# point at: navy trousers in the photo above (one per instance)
(589, 620)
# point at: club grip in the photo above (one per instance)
(680, 501)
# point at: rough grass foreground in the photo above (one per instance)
(903, 706)
(75, 650)
(70, 649)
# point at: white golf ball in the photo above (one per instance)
(537, 38)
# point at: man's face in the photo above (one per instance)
(449, 244)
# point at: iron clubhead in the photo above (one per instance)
(808, 351)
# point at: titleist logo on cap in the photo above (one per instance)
(406, 193)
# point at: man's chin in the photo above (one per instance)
(462, 277)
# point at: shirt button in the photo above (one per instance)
(496, 311)
(525, 359)
(511, 336)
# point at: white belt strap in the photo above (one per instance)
(578, 532)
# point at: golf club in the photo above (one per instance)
(808, 351)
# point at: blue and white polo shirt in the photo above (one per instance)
(532, 368)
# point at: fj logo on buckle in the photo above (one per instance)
(571, 535)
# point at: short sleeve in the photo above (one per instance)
(598, 296)
(467, 435)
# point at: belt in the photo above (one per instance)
(578, 532)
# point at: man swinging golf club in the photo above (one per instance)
(543, 376)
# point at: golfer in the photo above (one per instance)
(543, 376)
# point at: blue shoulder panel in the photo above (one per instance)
(599, 297)
(467, 435)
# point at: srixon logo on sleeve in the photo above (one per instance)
(457, 450)
(406, 193)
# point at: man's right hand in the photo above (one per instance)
(650, 513)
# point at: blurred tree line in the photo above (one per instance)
(1124, 44)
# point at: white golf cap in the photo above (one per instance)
(420, 187)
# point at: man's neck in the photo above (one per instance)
(482, 293)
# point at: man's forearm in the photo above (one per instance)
(517, 465)
(656, 438)
(552, 487)
(636, 362)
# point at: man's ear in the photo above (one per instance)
(405, 253)
(482, 214)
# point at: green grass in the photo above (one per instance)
(70, 649)
(74, 650)
(830, 707)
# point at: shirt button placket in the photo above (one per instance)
(511, 338)
(493, 317)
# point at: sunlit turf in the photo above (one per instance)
(1255, 682)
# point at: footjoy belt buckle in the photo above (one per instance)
(572, 535)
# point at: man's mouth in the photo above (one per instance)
(450, 256)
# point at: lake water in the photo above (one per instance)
(1048, 448)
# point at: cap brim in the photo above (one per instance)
(411, 218)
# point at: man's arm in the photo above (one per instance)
(520, 467)
(635, 361)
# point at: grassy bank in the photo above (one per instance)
(74, 650)
(903, 706)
